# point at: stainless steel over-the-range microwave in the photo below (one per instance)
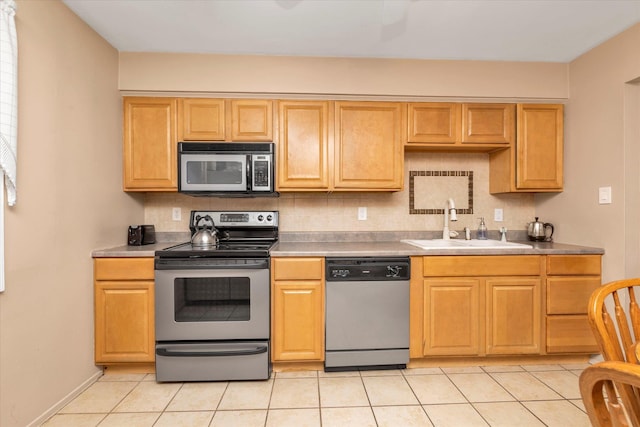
(226, 169)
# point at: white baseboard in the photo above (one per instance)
(65, 400)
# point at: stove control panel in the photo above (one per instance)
(238, 218)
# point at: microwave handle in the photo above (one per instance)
(249, 169)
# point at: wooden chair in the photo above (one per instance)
(614, 316)
(598, 393)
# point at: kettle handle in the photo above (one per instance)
(199, 220)
(548, 224)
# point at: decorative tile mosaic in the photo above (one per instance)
(427, 188)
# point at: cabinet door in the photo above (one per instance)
(434, 122)
(298, 321)
(513, 316)
(539, 156)
(451, 317)
(368, 146)
(124, 321)
(150, 144)
(488, 123)
(303, 146)
(251, 120)
(201, 119)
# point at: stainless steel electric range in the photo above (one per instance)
(212, 303)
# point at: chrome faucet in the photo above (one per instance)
(449, 214)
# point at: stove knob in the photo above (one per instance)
(260, 218)
(269, 218)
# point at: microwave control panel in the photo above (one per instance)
(261, 168)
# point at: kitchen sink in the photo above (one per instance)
(465, 244)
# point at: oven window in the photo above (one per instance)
(212, 299)
(215, 172)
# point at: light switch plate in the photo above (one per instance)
(604, 195)
(497, 215)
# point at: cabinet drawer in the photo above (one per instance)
(570, 334)
(123, 268)
(570, 295)
(574, 264)
(297, 268)
(456, 266)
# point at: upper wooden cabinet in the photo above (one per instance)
(150, 138)
(341, 146)
(201, 119)
(250, 120)
(303, 145)
(535, 163)
(368, 151)
(447, 126)
(488, 123)
(206, 119)
(154, 126)
(434, 123)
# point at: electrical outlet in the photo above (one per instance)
(176, 214)
(362, 214)
(604, 195)
(497, 215)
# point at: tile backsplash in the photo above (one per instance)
(385, 211)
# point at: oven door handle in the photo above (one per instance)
(246, 352)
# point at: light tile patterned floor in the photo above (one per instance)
(510, 396)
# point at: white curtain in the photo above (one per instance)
(8, 114)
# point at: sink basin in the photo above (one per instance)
(465, 244)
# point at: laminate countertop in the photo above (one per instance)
(369, 248)
(351, 249)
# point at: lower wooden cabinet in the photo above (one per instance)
(502, 305)
(570, 281)
(124, 310)
(484, 305)
(297, 307)
(460, 306)
(481, 316)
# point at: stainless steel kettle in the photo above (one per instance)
(205, 235)
(537, 231)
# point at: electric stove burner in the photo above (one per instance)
(244, 234)
(221, 249)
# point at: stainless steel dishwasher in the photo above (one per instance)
(367, 313)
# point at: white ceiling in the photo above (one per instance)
(497, 30)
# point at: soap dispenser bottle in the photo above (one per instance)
(482, 230)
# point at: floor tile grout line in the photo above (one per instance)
(571, 370)
(418, 399)
(319, 397)
(467, 399)
(535, 378)
(123, 398)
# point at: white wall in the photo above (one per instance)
(596, 137)
(69, 202)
